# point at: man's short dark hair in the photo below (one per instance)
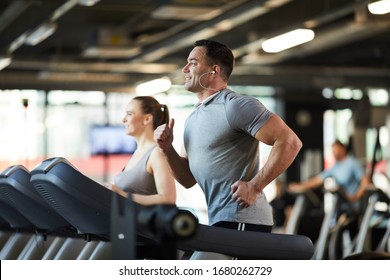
(337, 142)
(219, 54)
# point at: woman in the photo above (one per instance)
(146, 175)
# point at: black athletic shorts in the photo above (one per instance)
(244, 226)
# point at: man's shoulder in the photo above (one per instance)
(231, 97)
(352, 159)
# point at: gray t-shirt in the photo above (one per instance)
(221, 148)
(137, 179)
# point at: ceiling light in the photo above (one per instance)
(288, 40)
(378, 96)
(154, 86)
(4, 62)
(88, 2)
(111, 51)
(185, 13)
(63, 9)
(40, 33)
(379, 7)
(17, 43)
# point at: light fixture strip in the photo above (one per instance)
(87, 3)
(40, 33)
(4, 62)
(154, 86)
(288, 40)
(379, 7)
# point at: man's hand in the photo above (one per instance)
(163, 135)
(296, 188)
(244, 193)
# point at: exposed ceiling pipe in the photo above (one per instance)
(243, 75)
(335, 14)
(145, 41)
(60, 11)
(143, 68)
(222, 23)
(12, 12)
(331, 38)
(335, 37)
(63, 9)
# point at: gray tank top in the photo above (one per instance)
(137, 179)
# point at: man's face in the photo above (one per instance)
(339, 152)
(195, 70)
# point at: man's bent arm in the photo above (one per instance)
(285, 147)
(179, 167)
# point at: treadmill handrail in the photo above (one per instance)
(8, 172)
(53, 161)
(249, 244)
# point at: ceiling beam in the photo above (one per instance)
(222, 23)
(337, 36)
(288, 77)
(12, 12)
(68, 66)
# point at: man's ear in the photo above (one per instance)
(216, 69)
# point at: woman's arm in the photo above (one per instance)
(165, 183)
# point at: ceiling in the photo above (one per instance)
(115, 44)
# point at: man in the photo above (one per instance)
(221, 143)
(349, 175)
(346, 172)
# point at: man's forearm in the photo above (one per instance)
(280, 158)
(179, 168)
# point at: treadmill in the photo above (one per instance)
(29, 215)
(95, 211)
